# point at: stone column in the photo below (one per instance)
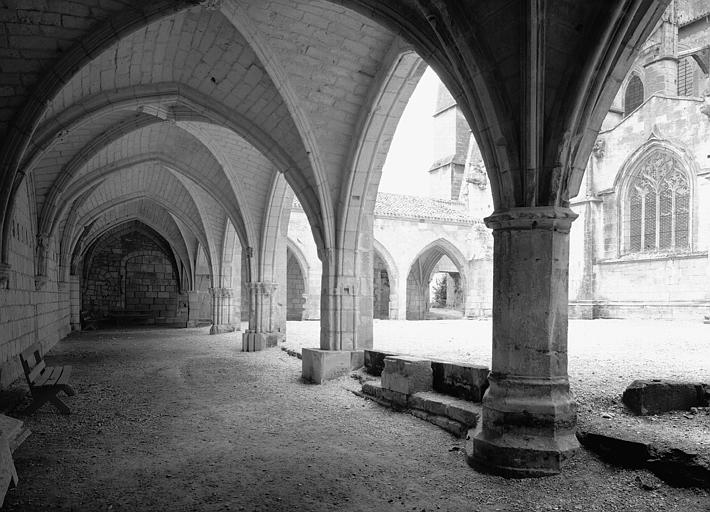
(74, 303)
(260, 333)
(529, 416)
(221, 310)
(193, 308)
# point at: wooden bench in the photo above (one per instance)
(45, 381)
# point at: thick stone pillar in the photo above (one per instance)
(260, 334)
(529, 416)
(74, 303)
(193, 308)
(346, 302)
(222, 310)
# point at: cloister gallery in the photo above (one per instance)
(171, 160)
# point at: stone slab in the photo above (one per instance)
(375, 361)
(456, 409)
(319, 365)
(658, 396)
(357, 359)
(467, 381)
(407, 375)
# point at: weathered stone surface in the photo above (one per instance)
(456, 409)
(375, 361)
(675, 466)
(357, 359)
(407, 375)
(658, 396)
(617, 450)
(467, 381)
(321, 365)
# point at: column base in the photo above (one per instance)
(190, 324)
(256, 341)
(319, 365)
(222, 328)
(528, 427)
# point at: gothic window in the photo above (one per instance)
(633, 97)
(659, 206)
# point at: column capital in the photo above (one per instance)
(223, 293)
(552, 218)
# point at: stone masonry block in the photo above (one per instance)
(319, 365)
(467, 381)
(375, 361)
(407, 375)
(658, 396)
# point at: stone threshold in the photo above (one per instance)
(454, 415)
(673, 465)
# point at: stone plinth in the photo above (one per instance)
(467, 381)
(407, 375)
(658, 396)
(222, 328)
(320, 365)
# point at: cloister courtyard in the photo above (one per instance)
(174, 419)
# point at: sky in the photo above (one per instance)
(410, 154)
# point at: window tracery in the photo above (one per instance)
(659, 205)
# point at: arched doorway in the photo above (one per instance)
(295, 287)
(436, 278)
(380, 288)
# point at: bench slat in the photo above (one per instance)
(54, 377)
(39, 381)
(36, 371)
(64, 379)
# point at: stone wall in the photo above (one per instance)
(29, 314)
(131, 278)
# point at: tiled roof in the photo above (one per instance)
(397, 205)
(414, 207)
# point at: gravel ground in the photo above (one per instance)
(179, 420)
(605, 356)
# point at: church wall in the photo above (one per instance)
(28, 315)
(660, 284)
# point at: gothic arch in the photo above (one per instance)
(682, 161)
(419, 272)
(393, 276)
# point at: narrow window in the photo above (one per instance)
(634, 95)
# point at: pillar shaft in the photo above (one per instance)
(346, 301)
(529, 416)
(222, 310)
(74, 303)
(262, 304)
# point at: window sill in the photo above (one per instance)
(654, 256)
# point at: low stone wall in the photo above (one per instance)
(461, 380)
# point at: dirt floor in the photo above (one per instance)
(178, 420)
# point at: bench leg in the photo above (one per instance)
(37, 402)
(59, 404)
(68, 390)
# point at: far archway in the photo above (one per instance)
(296, 287)
(442, 258)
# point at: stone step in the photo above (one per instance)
(452, 414)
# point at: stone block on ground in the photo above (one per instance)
(658, 396)
(319, 365)
(407, 375)
(357, 359)
(456, 409)
(462, 380)
(375, 361)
